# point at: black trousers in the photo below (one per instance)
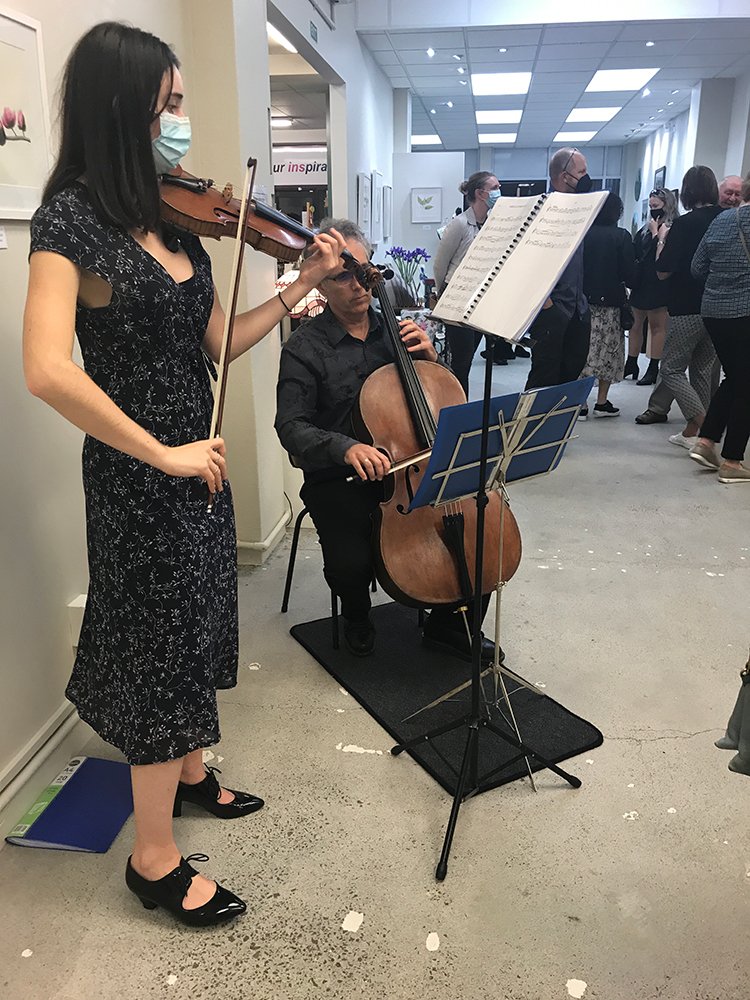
(730, 407)
(560, 348)
(343, 515)
(463, 345)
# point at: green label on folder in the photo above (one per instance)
(44, 799)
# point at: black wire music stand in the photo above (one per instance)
(514, 437)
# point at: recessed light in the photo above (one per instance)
(430, 52)
(447, 104)
(650, 45)
(463, 82)
(675, 91)
(491, 84)
(433, 111)
(592, 114)
(651, 117)
(497, 137)
(646, 92)
(275, 35)
(670, 103)
(300, 148)
(620, 79)
(461, 70)
(574, 136)
(426, 140)
(498, 117)
(502, 50)
(659, 110)
(281, 123)
(457, 56)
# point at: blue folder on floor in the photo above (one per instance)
(83, 809)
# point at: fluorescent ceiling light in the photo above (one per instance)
(574, 136)
(496, 137)
(430, 52)
(620, 79)
(498, 117)
(592, 114)
(275, 35)
(650, 45)
(300, 149)
(461, 70)
(426, 140)
(281, 123)
(490, 84)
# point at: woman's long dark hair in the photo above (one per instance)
(109, 98)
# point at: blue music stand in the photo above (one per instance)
(480, 447)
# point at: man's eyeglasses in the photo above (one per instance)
(342, 278)
(567, 162)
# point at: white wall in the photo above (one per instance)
(441, 170)
(738, 147)
(669, 146)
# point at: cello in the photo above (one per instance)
(416, 559)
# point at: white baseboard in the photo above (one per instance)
(63, 742)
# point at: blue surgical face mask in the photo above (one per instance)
(173, 141)
(492, 197)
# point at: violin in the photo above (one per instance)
(415, 551)
(195, 204)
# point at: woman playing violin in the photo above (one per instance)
(159, 635)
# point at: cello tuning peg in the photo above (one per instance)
(385, 271)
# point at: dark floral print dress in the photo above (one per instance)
(159, 632)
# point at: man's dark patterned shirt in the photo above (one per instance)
(322, 370)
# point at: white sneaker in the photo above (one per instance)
(682, 442)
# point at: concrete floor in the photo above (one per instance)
(631, 605)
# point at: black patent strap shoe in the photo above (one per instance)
(169, 892)
(206, 795)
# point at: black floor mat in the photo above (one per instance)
(403, 675)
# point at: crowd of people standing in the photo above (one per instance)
(679, 290)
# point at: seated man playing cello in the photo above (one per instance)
(323, 367)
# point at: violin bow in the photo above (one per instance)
(217, 415)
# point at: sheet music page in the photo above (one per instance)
(523, 284)
(502, 225)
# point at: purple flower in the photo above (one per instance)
(21, 121)
(8, 119)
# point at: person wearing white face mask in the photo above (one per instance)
(160, 633)
(482, 190)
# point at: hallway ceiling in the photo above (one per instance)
(562, 60)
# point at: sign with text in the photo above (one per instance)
(300, 168)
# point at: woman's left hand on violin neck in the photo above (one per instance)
(417, 342)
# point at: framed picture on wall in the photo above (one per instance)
(660, 177)
(387, 212)
(376, 201)
(426, 205)
(24, 116)
(364, 196)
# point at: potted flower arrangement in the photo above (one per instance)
(408, 263)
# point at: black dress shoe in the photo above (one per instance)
(454, 642)
(521, 352)
(171, 890)
(206, 795)
(359, 638)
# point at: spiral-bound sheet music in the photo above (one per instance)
(516, 261)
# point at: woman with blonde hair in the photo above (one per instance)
(648, 296)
